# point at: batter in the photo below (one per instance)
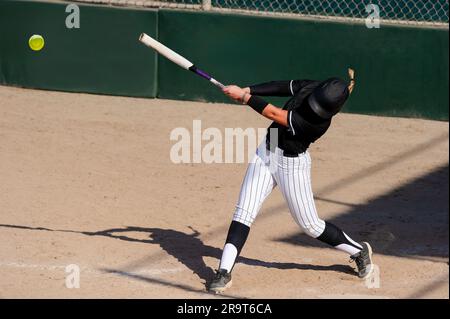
(283, 160)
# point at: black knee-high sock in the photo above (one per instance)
(237, 235)
(334, 236)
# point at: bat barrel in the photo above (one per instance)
(176, 58)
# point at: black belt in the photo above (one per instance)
(287, 153)
(290, 154)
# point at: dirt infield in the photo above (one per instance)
(87, 180)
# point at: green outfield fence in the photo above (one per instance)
(402, 68)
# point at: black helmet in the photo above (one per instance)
(328, 98)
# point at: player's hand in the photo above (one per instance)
(235, 92)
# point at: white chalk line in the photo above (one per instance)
(85, 269)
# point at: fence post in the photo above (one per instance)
(206, 5)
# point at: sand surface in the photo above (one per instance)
(88, 180)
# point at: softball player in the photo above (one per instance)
(283, 161)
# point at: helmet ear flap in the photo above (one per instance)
(317, 108)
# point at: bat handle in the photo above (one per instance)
(205, 75)
(217, 83)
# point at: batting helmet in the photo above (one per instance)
(328, 98)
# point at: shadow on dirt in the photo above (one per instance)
(409, 221)
(188, 249)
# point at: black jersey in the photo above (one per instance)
(304, 126)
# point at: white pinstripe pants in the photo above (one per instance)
(293, 175)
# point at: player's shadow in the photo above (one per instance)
(188, 249)
(409, 221)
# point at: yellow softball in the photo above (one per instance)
(36, 42)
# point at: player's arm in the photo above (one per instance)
(259, 105)
(276, 114)
(273, 88)
(277, 88)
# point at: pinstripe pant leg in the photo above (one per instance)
(295, 184)
(257, 185)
